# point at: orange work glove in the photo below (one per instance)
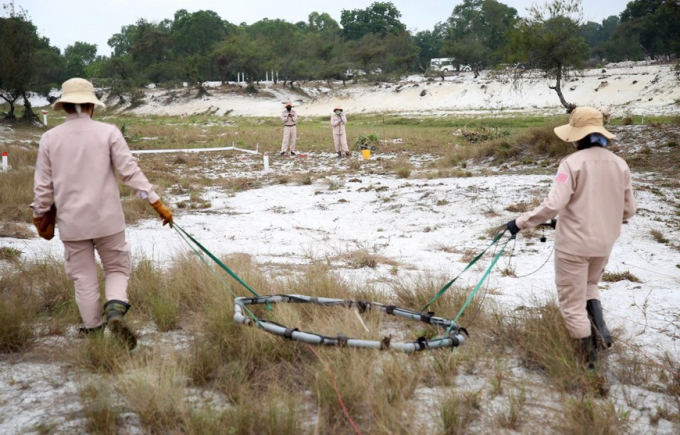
(163, 211)
(45, 224)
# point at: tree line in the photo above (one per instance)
(201, 46)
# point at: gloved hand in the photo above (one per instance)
(163, 211)
(512, 226)
(47, 233)
(45, 224)
(553, 223)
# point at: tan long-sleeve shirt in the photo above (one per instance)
(593, 194)
(338, 123)
(76, 169)
(289, 120)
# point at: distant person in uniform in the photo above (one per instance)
(606, 114)
(592, 194)
(76, 188)
(289, 119)
(338, 122)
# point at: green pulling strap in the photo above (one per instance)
(481, 281)
(470, 264)
(219, 263)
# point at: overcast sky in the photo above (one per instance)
(95, 21)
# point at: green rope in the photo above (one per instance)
(479, 285)
(470, 264)
(481, 281)
(183, 233)
(217, 275)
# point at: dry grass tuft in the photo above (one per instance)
(458, 411)
(16, 230)
(156, 393)
(99, 408)
(659, 236)
(544, 344)
(101, 353)
(590, 416)
(523, 207)
(17, 314)
(619, 276)
(9, 253)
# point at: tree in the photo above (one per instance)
(469, 50)
(429, 43)
(239, 53)
(379, 18)
(19, 43)
(483, 23)
(198, 32)
(549, 39)
(656, 23)
(78, 56)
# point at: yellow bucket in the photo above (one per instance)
(366, 154)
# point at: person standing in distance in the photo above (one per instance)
(289, 119)
(75, 174)
(593, 195)
(338, 122)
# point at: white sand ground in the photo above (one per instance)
(636, 88)
(627, 88)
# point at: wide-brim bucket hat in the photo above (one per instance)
(582, 122)
(288, 103)
(77, 91)
(337, 108)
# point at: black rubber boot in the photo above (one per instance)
(339, 154)
(84, 332)
(588, 352)
(115, 310)
(600, 333)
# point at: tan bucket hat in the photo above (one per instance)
(77, 91)
(582, 122)
(288, 103)
(337, 108)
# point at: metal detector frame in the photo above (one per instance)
(453, 339)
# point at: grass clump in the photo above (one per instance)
(619, 276)
(588, 415)
(9, 253)
(544, 344)
(659, 236)
(17, 314)
(458, 411)
(99, 407)
(101, 353)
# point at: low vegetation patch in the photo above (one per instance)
(619, 276)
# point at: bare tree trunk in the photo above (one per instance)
(10, 115)
(558, 88)
(28, 115)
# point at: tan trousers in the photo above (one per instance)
(289, 134)
(340, 141)
(576, 279)
(81, 268)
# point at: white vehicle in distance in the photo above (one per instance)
(447, 64)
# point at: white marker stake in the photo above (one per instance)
(266, 162)
(4, 161)
(44, 112)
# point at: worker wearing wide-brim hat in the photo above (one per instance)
(289, 119)
(338, 123)
(76, 172)
(592, 194)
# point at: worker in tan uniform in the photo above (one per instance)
(592, 194)
(338, 123)
(76, 173)
(289, 119)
